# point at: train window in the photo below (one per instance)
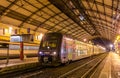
(49, 43)
(52, 43)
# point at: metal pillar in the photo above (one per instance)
(21, 51)
(7, 54)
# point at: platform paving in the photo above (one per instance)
(111, 68)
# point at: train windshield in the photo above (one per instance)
(49, 42)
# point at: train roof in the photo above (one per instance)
(54, 33)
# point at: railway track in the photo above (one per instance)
(83, 68)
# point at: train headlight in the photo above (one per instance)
(54, 53)
(40, 53)
(48, 47)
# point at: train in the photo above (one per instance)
(56, 48)
(30, 49)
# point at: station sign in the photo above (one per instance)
(21, 38)
(15, 38)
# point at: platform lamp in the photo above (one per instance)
(111, 46)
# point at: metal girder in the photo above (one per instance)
(58, 23)
(26, 16)
(65, 27)
(48, 18)
(81, 9)
(107, 28)
(95, 20)
(46, 21)
(78, 33)
(83, 13)
(112, 7)
(89, 18)
(104, 12)
(99, 12)
(82, 32)
(62, 6)
(27, 19)
(19, 5)
(87, 28)
(7, 8)
(16, 15)
(71, 29)
(118, 3)
(69, 35)
(100, 19)
(108, 6)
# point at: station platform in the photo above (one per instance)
(111, 68)
(13, 62)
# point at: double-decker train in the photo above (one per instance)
(56, 48)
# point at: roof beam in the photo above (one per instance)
(81, 9)
(4, 12)
(58, 24)
(28, 18)
(65, 9)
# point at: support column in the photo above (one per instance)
(21, 51)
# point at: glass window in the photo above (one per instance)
(50, 41)
(49, 44)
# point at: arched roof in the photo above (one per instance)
(80, 19)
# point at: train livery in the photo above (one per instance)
(56, 48)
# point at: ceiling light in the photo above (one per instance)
(81, 17)
(113, 12)
(84, 40)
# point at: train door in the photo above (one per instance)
(69, 48)
(63, 53)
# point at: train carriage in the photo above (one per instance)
(56, 48)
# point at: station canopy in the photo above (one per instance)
(79, 19)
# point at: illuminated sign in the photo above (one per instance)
(23, 37)
(15, 39)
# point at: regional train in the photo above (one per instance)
(56, 48)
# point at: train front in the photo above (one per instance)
(49, 49)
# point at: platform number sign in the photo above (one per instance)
(28, 30)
